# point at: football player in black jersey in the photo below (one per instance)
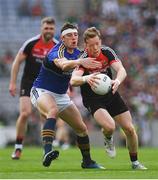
(106, 109)
(32, 52)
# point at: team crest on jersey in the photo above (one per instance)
(105, 63)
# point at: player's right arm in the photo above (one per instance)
(66, 64)
(20, 57)
(55, 57)
(77, 79)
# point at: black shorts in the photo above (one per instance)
(115, 105)
(25, 87)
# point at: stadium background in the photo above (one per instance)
(128, 26)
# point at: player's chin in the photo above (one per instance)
(74, 46)
(48, 37)
(96, 54)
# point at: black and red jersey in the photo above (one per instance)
(35, 50)
(107, 56)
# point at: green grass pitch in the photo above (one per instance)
(67, 166)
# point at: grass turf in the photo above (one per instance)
(67, 166)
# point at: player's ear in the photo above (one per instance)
(41, 29)
(62, 38)
(84, 45)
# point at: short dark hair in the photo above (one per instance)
(68, 25)
(91, 33)
(48, 20)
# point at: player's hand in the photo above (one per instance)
(12, 89)
(92, 79)
(115, 84)
(90, 63)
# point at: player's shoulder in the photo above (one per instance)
(57, 50)
(32, 39)
(60, 47)
(84, 54)
(106, 50)
(55, 40)
(29, 43)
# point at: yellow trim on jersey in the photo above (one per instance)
(61, 51)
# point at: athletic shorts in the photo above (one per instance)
(62, 100)
(115, 105)
(25, 87)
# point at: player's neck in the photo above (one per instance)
(70, 50)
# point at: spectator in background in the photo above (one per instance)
(3, 69)
(72, 17)
(5, 63)
(37, 9)
(23, 9)
(110, 8)
(93, 7)
(8, 57)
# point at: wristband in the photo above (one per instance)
(84, 79)
(118, 81)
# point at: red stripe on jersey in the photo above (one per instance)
(104, 61)
(41, 48)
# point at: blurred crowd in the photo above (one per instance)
(27, 9)
(130, 27)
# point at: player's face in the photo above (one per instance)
(47, 31)
(70, 40)
(93, 46)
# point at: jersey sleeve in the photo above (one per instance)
(53, 54)
(57, 52)
(26, 48)
(110, 54)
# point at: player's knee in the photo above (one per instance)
(82, 130)
(52, 113)
(130, 130)
(109, 128)
(25, 114)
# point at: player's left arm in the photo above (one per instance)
(115, 64)
(120, 75)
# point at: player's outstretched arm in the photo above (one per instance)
(66, 65)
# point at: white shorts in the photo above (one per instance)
(62, 100)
